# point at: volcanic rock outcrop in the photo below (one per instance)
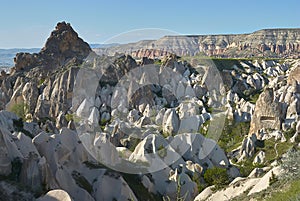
(62, 46)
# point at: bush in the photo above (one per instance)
(233, 134)
(196, 178)
(289, 133)
(19, 109)
(216, 176)
(72, 117)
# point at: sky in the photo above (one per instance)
(27, 24)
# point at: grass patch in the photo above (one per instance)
(246, 167)
(291, 192)
(279, 191)
(269, 149)
(285, 187)
(289, 133)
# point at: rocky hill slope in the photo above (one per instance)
(78, 126)
(276, 43)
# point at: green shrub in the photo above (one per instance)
(254, 97)
(162, 152)
(196, 178)
(233, 134)
(41, 81)
(289, 133)
(19, 109)
(216, 176)
(72, 117)
(158, 62)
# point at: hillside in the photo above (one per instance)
(274, 43)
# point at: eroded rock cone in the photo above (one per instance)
(65, 44)
(61, 48)
(268, 112)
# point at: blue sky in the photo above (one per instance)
(28, 23)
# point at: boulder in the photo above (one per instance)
(248, 147)
(201, 150)
(55, 195)
(190, 124)
(259, 158)
(30, 94)
(155, 153)
(94, 116)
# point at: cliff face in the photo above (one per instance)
(264, 43)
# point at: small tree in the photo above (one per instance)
(216, 176)
(273, 178)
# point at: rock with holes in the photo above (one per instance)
(268, 112)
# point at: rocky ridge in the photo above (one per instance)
(276, 43)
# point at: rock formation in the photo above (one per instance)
(263, 43)
(62, 46)
(268, 112)
(85, 123)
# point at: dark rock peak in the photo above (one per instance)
(63, 26)
(65, 39)
(62, 47)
